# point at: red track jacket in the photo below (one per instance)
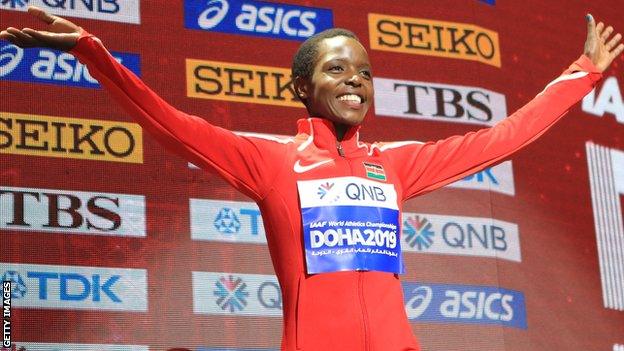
(351, 310)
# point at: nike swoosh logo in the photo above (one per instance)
(300, 169)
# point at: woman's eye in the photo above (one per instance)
(335, 68)
(366, 74)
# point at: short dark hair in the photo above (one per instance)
(305, 57)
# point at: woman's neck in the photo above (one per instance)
(341, 129)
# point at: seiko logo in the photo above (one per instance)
(420, 36)
(240, 82)
(70, 138)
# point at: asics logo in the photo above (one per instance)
(299, 168)
(214, 14)
(10, 60)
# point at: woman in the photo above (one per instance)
(331, 203)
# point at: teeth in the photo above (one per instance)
(350, 97)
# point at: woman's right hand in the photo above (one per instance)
(59, 33)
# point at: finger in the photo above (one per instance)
(613, 42)
(607, 32)
(40, 35)
(24, 39)
(599, 28)
(8, 36)
(591, 25)
(42, 15)
(617, 50)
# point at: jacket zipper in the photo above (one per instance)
(339, 148)
(360, 286)
(363, 306)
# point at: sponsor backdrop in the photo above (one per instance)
(112, 243)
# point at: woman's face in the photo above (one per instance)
(341, 86)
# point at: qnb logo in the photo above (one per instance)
(363, 192)
(257, 18)
(464, 236)
(52, 66)
(15, 3)
(227, 222)
(231, 293)
(324, 189)
(270, 295)
(418, 232)
(10, 58)
(214, 14)
(126, 11)
(18, 287)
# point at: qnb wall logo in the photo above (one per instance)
(444, 303)
(77, 138)
(126, 11)
(606, 176)
(464, 236)
(239, 82)
(497, 178)
(52, 66)
(438, 102)
(607, 101)
(67, 212)
(259, 18)
(230, 221)
(39, 346)
(74, 287)
(419, 36)
(236, 294)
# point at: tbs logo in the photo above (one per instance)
(257, 18)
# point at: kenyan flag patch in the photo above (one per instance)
(374, 171)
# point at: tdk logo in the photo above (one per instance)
(74, 287)
(256, 18)
(52, 66)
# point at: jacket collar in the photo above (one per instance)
(322, 134)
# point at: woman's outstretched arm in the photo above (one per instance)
(247, 163)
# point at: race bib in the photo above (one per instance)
(350, 224)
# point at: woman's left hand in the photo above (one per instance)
(599, 47)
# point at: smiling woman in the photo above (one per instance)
(335, 81)
(331, 204)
